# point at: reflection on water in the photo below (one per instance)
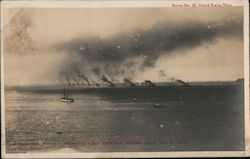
(41, 122)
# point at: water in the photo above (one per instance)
(126, 119)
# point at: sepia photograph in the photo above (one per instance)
(124, 79)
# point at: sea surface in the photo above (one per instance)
(170, 118)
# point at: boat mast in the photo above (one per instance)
(64, 93)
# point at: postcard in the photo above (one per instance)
(124, 79)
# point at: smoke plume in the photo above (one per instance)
(126, 80)
(105, 79)
(128, 53)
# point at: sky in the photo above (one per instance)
(48, 46)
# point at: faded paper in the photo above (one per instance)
(124, 79)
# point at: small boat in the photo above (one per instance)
(66, 97)
(158, 105)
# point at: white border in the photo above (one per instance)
(246, 81)
(109, 4)
(2, 90)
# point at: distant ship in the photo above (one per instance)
(110, 86)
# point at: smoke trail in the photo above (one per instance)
(149, 83)
(126, 80)
(105, 79)
(84, 77)
(126, 53)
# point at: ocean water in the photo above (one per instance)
(194, 118)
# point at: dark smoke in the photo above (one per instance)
(122, 55)
(149, 83)
(126, 80)
(84, 77)
(105, 79)
(72, 74)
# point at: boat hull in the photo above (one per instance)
(67, 100)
